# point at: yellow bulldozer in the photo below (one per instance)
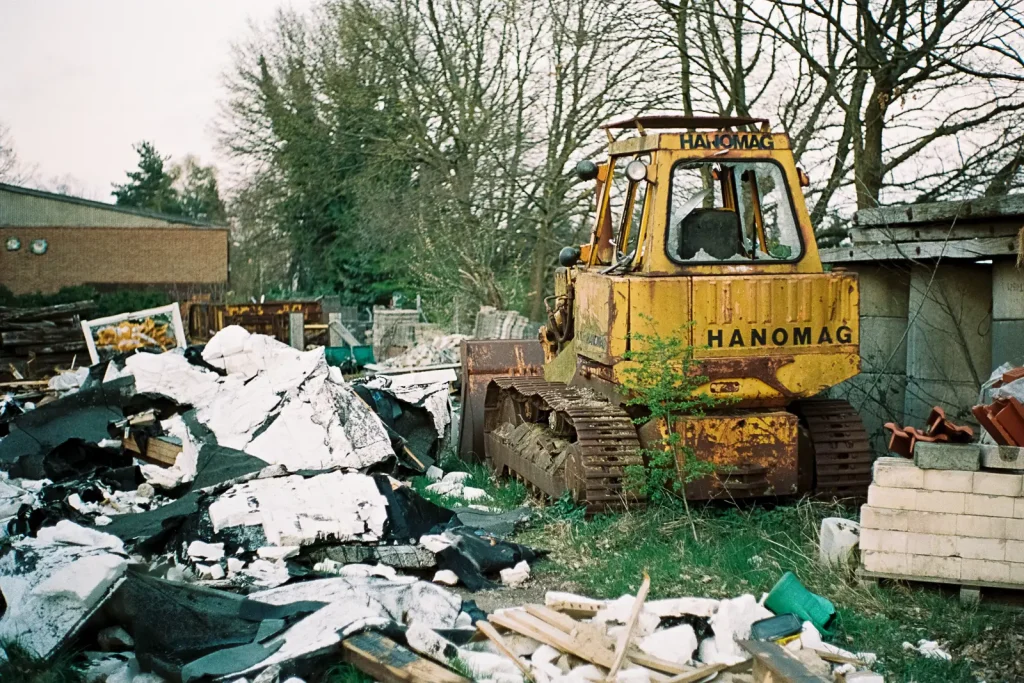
(701, 229)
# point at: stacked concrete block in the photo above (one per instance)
(951, 525)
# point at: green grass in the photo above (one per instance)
(503, 494)
(21, 666)
(746, 551)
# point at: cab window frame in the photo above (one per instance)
(717, 262)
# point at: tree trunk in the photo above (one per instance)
(542, 258)
(868, 171)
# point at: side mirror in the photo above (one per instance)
(586, 170)
(805, 180)
(569, 256)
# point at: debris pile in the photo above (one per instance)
(33, 341)
(240, 511)
(576, 638)
(492, 323)
(233, 508)
(443, 350)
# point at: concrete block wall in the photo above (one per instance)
(1007, 314)
(879, 391)
(944, 524)
(949, 345)
(932, 337)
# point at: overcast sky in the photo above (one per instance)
(82, 80)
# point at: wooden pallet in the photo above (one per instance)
(970, 591)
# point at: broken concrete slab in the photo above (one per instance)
(730, 623)
(51, 588)
(337, 507)
(674, 644)
(516, 576)
(1002, 457)
(198, 550)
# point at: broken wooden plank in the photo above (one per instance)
(929, 233)
(772, 664)
(635, 655)
(499, 642)
(1004, 206)
(45, 312)
(160, 450)
(163, 450)
(40, 336)
(576, 609)
(388, 662)
(25, 383)
(582, 645)
(627, 633)
(912, 251)
(697, 674)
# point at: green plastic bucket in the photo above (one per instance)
(343, 356)
(790, 597)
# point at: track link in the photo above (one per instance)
(842, 449)
(602, 440)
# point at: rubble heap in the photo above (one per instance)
(241, 512)
(443, 350)
(245, 481)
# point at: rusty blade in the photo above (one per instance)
(482, 361)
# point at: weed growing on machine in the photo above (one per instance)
(662, 379)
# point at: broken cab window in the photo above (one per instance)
(731, 212)
(626, 201)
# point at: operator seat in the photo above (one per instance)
(716, 231)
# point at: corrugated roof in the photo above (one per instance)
(79, 201)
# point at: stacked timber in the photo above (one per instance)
(34, 342)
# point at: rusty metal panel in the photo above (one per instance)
(482, 361)
(755, 453)
(602, 316)
(271, 319)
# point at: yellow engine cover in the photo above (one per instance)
(763, 340)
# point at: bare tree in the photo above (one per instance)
(12, 170)
(909, 78)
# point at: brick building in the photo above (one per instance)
(49, 241)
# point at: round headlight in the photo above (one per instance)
(636, 170)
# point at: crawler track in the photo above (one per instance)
(598, 440)
(842, 450)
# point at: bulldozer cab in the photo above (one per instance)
(701, 201)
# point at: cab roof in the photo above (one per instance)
(675, 121)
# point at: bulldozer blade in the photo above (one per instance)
(482, 361)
